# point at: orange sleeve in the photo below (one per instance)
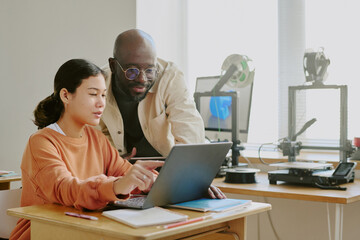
(54, 183)
(114, 164)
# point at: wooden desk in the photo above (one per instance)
(298, 192)
(5, 181)
(50, 222)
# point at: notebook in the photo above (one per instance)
(186, 175)
(145, 217)
(213, 205)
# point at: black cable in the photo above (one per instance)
(330, 187)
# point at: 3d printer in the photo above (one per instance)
(224, 103)
(317, 174)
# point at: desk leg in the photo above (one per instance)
(238, 227)
(236, 231)
(339, 211)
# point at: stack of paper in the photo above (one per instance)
(213, 205)
(148, 217)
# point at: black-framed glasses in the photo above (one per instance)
(132, 73)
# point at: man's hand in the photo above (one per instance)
(215, 192)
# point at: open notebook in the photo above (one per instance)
(186, 175)
(146, 217)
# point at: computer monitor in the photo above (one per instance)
(216, 110)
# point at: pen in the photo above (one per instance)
(81, 216)
(185, 222)
(148, 158)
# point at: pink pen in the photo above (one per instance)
(172, 225)
(81, 216)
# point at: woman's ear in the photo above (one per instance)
(64, 95)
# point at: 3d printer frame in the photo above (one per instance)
(216, 91)
(234, 128)
(344, 148)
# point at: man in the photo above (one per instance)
(149, 108)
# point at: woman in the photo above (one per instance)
(69, 162)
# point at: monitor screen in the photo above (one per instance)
(216, 110)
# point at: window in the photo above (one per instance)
(211, 30)
(333, 25)
(217, 29)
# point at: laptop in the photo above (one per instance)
(186, 175)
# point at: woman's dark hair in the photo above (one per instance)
(70, 76)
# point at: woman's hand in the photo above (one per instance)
(215, 192)
(140, 175)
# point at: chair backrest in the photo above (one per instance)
(8, 199)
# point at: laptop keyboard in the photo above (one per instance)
(136, 202)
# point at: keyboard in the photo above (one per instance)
(136, 202)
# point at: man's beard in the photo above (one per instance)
(125, 89)
(138, 98)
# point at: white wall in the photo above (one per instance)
(36, 37)
(166, 22)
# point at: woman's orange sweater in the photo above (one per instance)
(77, 172)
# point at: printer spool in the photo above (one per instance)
(240, 175)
